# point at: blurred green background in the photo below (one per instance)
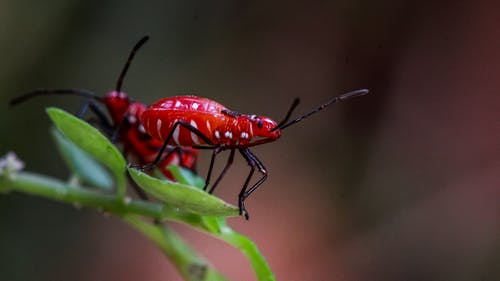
(402, 184)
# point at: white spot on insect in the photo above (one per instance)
(176, 133)
(193, 123)
(208, 126)
(158, 128)
(194, 106)
(217, 134)
(252, 117)
(194, 137)
(141, 129)
(228, 135)
(244, 135)
(167, 104)
(177, 104)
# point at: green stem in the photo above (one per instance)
(35, 184)
(191, 266)
(250, 250)
(218, 228)
(121, 187)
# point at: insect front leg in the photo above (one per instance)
(254, 162)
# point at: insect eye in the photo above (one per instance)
(259, 124)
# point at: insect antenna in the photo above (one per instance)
(81, 92)
(282, 125)
(289, 113)
(43, 92)
(129, 60)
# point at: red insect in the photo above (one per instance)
(201, 123)
(125, 126)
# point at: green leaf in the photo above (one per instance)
(183, 197)
(93, 142)
(81, 163)
(217, 227)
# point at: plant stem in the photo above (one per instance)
(35, 184)
(191, 266)
(218, 228)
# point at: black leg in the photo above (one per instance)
(104, 123)
(254, 162)
(174, 150)
(159, 157)
(212, 160)
(219, 178)
(116, 130)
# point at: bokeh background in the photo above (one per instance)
(403, 184)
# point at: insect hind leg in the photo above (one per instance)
(224, 170)
(159, 157)
(254, 163)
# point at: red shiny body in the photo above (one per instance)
(137, 143)
(220, 125)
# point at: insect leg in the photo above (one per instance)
(254, 162)
(159, 157)
(104, 123)
(212, 160)
(219, 178)
(116, 130)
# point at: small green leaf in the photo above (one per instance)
(93, 142)
(81, 163)
(183, 197)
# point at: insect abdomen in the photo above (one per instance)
(160, 123)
